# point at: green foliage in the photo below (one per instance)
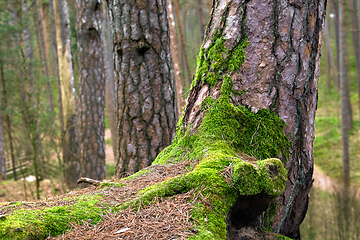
(39, 223)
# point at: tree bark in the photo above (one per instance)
(146, 107)
(182, 41)
(280, 73)
(180, 102)
(91, 88)
(70, 140)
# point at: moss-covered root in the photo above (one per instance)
(53, 221)
(220, 181)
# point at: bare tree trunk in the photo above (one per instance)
(345, 115)
(146, 107)
(182, 42)
(344, 84)
(8, 123)
(349, 118)
(110, 84)
(355, 35)
(330, 54)
(337, 23)
(2, 150)
(70, 140)
(180, 102)
(92, 74)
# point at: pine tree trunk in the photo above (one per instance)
(280, 73)
(8, 123)
(91, 88)
(175, 58)
(146, 107)
(2, 150)
(70, 140)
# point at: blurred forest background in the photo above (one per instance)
(32, 129)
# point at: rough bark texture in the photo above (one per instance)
(175, 58)
(92, 88)
(280, 73)
(146, 107)
(70, 142)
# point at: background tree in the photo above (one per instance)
(146, 108)
(91, 88)
(70, 138)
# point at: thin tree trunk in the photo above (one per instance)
(8, 123)
(54, 50)
(91, 56)
(330, 54)
(182, 42)
(2, 150)
(146, 107)
(337, 23)
(346, 67)
(345, 115)
(70, 140)
(180, 102)
(355, 35)
(110, 84)
(344, 89)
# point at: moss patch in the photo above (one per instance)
(40, 223)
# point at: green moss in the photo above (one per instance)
(137, 174)
(268, 216)
(281, 237)
(226, 133)
(39, 223)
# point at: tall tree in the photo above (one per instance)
(91, 88)
(146, 107)
(175, 58)
(70, 138)
(2, 150)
